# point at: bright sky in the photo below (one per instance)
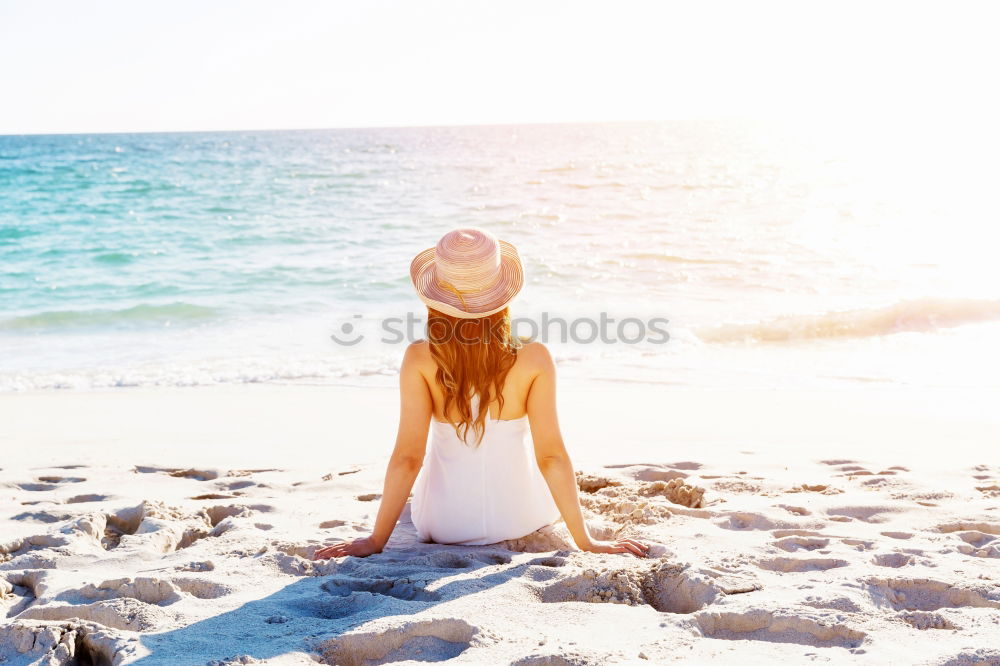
(70, 66)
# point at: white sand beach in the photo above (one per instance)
(758, 241)
(175, 526)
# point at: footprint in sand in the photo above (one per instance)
(493, 558)
(127, 604)
(403, 588)
(747, 520)
(445, 638)
(864, 513)
(897, 535)
(842, 604)
(657, 471)
(797, 510)
(924, 620)
(61, 479)
(975, 538)
(331, 524)
(797, 564)
(36, 487)
(28, 552)
(988, 479)
(91, 497)
(968, 525)
(893, 560)
(238, 485)
(547, 562)
(42, 516)
(668, 587)
(925, 594)
(853, 471)
(177, 472)
(156, 591)
(447, 559)
(124, 613)
(569, 657)
(858, 544)
(796, 543)
(978, 544)
(328, 524)
(326, 607)
(142, 526)
(815, 488)
(20, 589)
(737, 486)
(361, 584)
(204, 565)
(201, 588)
(764, 625)
(781, 534)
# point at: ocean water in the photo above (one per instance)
(775, 255)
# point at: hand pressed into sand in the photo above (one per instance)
(618, 546)
(357, 547)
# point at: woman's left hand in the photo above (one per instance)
(357, 547)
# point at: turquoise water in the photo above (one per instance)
(196, 258)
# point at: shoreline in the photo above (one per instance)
(248, 425)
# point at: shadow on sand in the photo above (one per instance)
(313, 613)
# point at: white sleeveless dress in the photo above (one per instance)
(474, 496)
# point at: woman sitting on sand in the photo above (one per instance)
(482, 481)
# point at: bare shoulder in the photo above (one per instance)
(536, 356)
(417, 352)
(418, 355)
(418, 366)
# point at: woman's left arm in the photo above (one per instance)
(415, 407)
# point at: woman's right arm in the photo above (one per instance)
(554, 461)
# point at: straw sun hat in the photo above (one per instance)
(470, 273)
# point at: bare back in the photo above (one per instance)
(516, 388)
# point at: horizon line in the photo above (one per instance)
(367, 127)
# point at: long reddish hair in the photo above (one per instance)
(473, 357)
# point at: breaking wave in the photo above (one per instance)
(915, 316)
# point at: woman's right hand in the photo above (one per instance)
(637, 548)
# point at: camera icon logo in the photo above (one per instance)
(348, 335)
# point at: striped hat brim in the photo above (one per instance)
(468, 304)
